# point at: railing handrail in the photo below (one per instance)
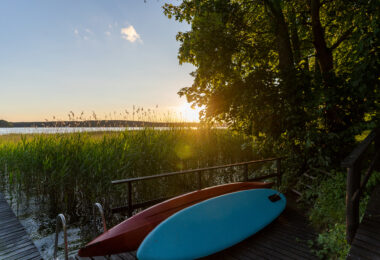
(193, 170)
(359, 150)
(355, 183)
(199, 172)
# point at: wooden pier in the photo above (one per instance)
(366, 243)
(14, 241)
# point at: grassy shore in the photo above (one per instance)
(69, 172)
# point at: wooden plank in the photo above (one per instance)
(274, 246)
(369, 234)
(291, 244)
(17, 247)
(99, 258)
(36, 258)
(12, 235)
(116, 257)
(246, 248)
(359, 252)
(11, 230)
(26, 253)
(273, 254)
(34, 255)
(366, 243)
(14, 241)
(17, 251)
(126, 256)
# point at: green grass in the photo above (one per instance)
(69, 172)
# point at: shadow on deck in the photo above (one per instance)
(288, 237)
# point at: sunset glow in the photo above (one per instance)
(189, 114)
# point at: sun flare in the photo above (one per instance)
(189, 114)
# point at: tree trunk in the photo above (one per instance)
(324, 54)
(325, 61)
(294, 37)
(286, 62)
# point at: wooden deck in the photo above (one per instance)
(366, 243)
(14, 241)
(288, 237)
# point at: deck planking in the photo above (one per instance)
(366, 243)
(14, 240)
(288, 237)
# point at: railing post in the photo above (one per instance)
(101, 211)
(279, 173)
(377, 148)
(60, 217)
(245, 172)
(199, 180)
(352, 206)
(130, 207)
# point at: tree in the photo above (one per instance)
(4, 123)
(283, 70)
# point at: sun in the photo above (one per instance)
(189, 114)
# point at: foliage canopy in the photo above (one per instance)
(302, 72)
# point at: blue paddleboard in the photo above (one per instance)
(212, 225)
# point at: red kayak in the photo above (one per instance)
(128, 235)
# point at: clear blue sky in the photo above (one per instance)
(87, 55)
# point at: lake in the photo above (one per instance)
(65, 130)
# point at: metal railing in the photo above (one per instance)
(131, 206)
(101, 212)
(61, 218)
(355, 183)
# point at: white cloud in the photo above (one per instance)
(129, 33)
(107, 33)
(76, 32)
(89, 31)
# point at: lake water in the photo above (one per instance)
(64, 130)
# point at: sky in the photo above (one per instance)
(101, 56)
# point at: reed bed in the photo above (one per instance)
(69, 172)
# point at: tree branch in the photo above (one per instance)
(344, 36)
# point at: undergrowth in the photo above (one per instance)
(328, 210)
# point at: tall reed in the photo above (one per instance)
(69, 172)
